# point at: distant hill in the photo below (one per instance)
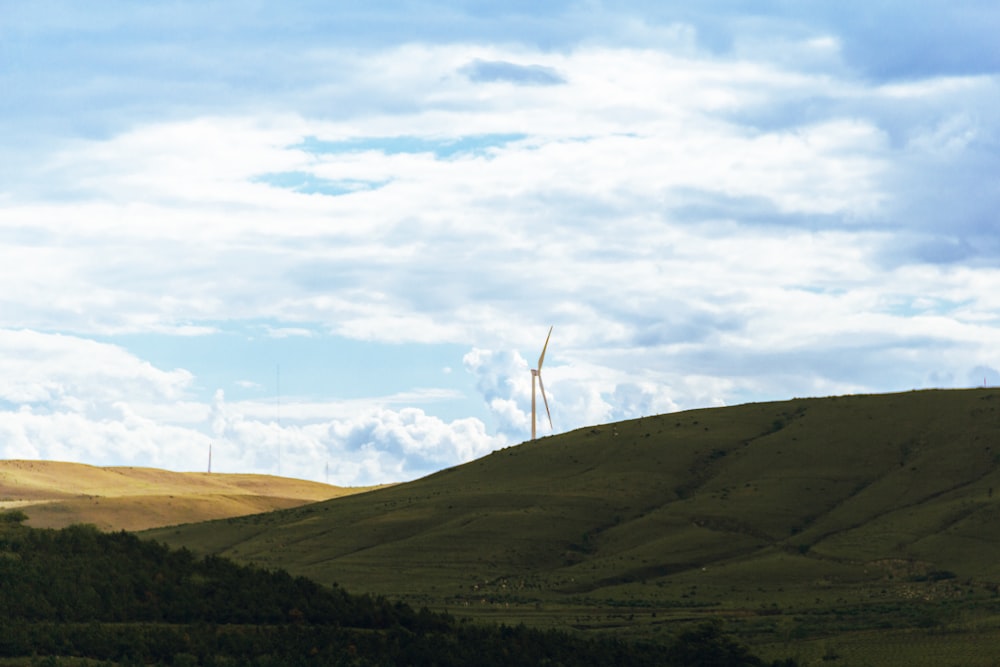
(55, 494)
(795, 521)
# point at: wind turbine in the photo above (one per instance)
(537, 373)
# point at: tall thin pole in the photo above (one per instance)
(209, 458)
(533, 373)
(277, 383)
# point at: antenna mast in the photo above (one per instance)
(277, 382)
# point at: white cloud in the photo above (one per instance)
(290, 332)
(38, 369)
(578, 394)
(368, 447)
(67, 398)
(249, 384)
(705, 218)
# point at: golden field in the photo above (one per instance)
(56, 494)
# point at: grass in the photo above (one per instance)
(812, 527)
(56, 494)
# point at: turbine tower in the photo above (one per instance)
(537, 373)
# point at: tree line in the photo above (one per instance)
(80, 593)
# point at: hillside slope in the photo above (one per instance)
(112, 599)
(56, 494)
(796, 506)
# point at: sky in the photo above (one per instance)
(327, 240)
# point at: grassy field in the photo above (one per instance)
(55, 494)
(851, 530)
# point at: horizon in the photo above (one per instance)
(313, 236)
(515, 444)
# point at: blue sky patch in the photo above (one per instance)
(247, 361)
(524, 75)
(309, 184)
(478, 144)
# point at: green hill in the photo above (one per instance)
(810, 524)
(77, 596)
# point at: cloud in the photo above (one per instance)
(578, 395)
(937, 38)
(73, 399)
(709, 206)
(499, 379)
(366, 446)
(39, 370)
(290, 332)
(249, 384)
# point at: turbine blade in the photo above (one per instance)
(541, 385)
(545, 347)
